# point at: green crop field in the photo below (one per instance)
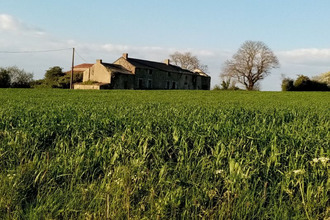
(164, 154)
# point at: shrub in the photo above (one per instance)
(4, 78)
(287, 84)
(89, 82)
(15, 77)
(303, 83)
(64, 81)
(216, 87)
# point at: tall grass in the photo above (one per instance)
(164, 155)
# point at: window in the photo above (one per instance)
(194, 79)
(149, 84)
(149, 71)
(168, 74)
(167, 85)
(140, 84)
(173, 85)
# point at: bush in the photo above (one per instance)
(4, 78)
(52, 77)
(15, 77)
(303, 83)
(89, 82)
(64, 81)
(56, 78)
(40, 83)
(216, 87)
(287, 84)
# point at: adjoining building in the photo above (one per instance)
(131, 73)
(80, 68)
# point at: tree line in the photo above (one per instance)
(253, 62)
(13, 77)
(304, 83)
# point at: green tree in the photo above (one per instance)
(303, 83)
(18, 78)
(4, 78)
(287, 84)
(52, 77)
(64, 81)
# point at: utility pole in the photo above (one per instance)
(72, 66)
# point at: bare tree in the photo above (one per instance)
(187, 61)
(323, 78)
(251, 63)
(19, 78)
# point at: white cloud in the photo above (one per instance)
(306, 57)
(11, 24)
(19, 36)
(7, 22)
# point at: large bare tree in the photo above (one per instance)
(251, 63)
(187, 61)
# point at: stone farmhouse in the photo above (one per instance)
(131, 73)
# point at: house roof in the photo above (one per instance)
(160, 66)
(115, 68)
(80, 68)
(83, 65)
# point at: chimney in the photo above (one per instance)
(99, 61)
(125, 56)
(167, 61)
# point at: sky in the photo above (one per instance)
(297, 31)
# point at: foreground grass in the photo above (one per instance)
(164, 154)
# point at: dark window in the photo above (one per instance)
(194, 79)
(169, 74)
(168, 85)
(140, 84)
(150, 72)
(205, 87)
(173, 85)
(149, 84)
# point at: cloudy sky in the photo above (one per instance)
(213, 30)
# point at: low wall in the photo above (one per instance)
(79, 86)
(96, 86)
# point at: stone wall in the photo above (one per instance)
(156, 79)
(97, 73)
(80, 86)
(123, 62)
(122, 81)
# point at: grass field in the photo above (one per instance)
(164, 154)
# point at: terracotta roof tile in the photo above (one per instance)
(84, 65)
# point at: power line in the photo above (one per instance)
(41, 51)
(35, 51)
(80, 56)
